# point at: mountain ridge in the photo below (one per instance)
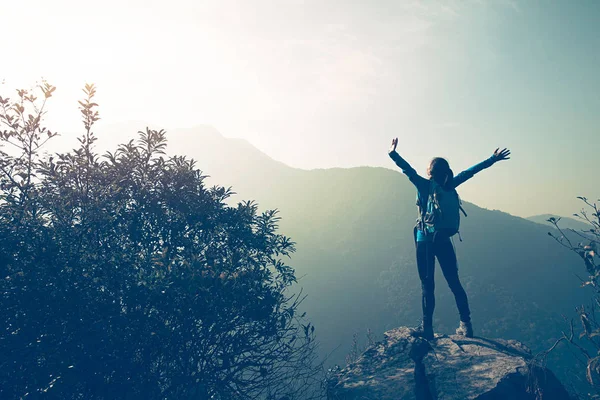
(355, 250)
(564, 223)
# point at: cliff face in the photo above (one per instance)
(447, 368)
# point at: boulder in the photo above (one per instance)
(403, 366)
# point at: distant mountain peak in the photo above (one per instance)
(565, 222)
(200, 130)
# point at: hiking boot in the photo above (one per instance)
(465, 329)
(425, 330)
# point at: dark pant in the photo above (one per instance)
(443, 249)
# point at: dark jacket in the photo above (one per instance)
(423, 184)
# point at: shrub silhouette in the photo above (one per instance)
(124, 276)
(586, 244)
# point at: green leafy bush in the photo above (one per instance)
(124, 276)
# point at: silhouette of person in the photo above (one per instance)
(431, 245)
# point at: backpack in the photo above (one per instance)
(441, 213)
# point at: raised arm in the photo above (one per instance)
(409, 171)
(468, 173)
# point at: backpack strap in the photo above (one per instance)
(463, 211)
(460, 205)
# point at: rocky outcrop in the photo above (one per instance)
(446, 368)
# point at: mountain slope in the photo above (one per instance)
(353, 229)
(565, 222)
(355, 257)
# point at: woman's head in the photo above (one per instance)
(440, 171)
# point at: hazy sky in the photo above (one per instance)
(324, 83)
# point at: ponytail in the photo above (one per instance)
(448, 182)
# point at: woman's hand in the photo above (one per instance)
(502, 155)
(394, 144)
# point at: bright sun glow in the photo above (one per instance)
(318, 83)
(146, 65)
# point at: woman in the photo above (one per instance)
(429, 246)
